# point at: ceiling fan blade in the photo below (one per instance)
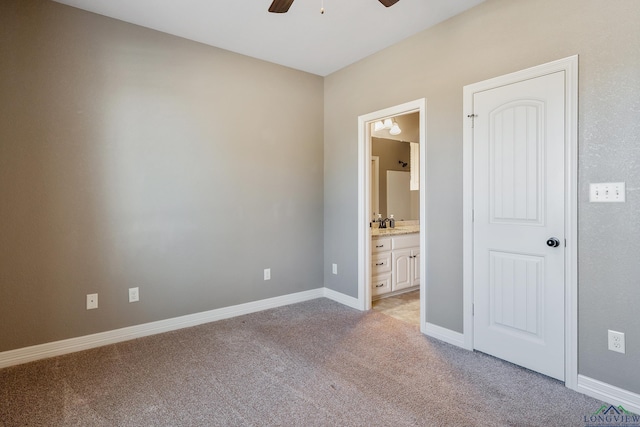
(282, 6)
(388, 3)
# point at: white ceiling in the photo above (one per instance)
(303, 39)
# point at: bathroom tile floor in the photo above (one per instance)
(405, 307)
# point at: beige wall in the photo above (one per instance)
(492, 39)
(126, 159)
(130, 158)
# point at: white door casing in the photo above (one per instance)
(364, 202)
(520, 172)
(518, 205)
(375, 185)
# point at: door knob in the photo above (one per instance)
(553, 242)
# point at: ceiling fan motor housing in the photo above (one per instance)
(282, 6)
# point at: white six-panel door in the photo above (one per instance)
(518, 206)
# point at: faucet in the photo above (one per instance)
(383, 223)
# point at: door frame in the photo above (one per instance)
(570, 67)
(375, 161)
(364, 200)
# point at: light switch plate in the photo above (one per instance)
(607, 192)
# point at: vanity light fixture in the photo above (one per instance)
(395, 129)
(390, 124)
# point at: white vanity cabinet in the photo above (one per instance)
(395, 263)
(381, 266)
(406, 269)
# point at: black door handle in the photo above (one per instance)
(553, 242)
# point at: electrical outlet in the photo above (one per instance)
(92, 301)
(616, 341)
(134, 294)
(334, 268)
(607, 192)
(267, 274)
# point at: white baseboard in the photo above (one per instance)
(342, 299)
(444, 334)
(608, 393)
(58, 348)
(594, 388)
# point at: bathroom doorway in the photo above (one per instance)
(415, 259)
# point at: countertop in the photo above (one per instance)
(399, 229)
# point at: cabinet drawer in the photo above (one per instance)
(380, 263)
(406, 241)
(380, 245)
(381, 284)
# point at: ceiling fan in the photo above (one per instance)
(282, 6)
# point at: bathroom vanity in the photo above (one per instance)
(395, 260)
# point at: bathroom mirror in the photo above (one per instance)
(395, 170)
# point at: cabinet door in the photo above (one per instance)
(402, 273)
(415, 267)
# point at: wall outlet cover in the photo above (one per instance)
(616, 341)
(92, 301)
(334, 268)
(267, 274)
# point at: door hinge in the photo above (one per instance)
(473, 309)
(473, 215)
(472, 117)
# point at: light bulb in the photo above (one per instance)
(395, 129)
(378, 126)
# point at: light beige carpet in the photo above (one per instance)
(316, 363)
